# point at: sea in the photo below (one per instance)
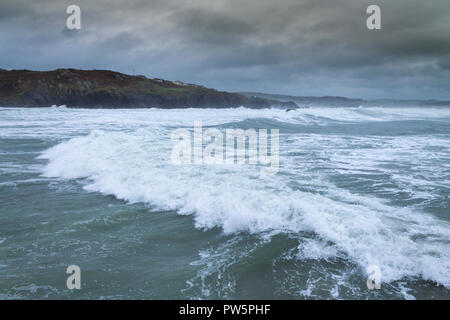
(361, 196)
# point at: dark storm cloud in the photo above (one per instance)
(303, 47)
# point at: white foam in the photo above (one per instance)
(135, 166)
(59, 122)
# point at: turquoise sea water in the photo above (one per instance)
(96, 188)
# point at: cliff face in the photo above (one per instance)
(108, 89)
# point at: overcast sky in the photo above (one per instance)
(297, 47)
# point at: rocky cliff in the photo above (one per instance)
(108, 89)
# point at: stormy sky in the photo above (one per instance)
(297, 47)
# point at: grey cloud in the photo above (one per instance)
(304, 47)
